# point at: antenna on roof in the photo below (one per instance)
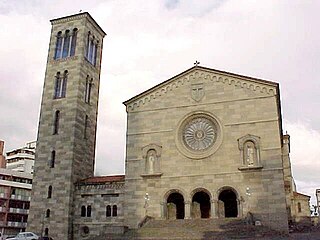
(196, 63)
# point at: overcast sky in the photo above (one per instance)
(151, 41)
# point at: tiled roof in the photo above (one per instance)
(296, 194)
(104, 179)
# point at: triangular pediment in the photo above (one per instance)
(195, 77)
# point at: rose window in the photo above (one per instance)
(199, 134)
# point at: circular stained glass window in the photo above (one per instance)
(199, 134)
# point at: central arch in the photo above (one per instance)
(201, 206)
(228, 206)
(175, 204)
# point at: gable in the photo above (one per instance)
(196, 81)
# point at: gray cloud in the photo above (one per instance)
(149, 42)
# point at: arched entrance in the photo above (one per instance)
(175, 206)
(201, 205)
(228, 206)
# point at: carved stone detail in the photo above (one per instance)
(199, 134)
(200, 76)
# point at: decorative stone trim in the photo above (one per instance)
(196, 139)
(66, 59)
(200, 75)
(151, 175)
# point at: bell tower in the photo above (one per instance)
(67, 125)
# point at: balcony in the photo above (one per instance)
(19, 210)
(3, 209)
(20, 197)
(17, 224)
(4, 195)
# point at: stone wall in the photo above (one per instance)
(241, 108)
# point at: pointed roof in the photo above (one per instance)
(297, 194)
(252, 79)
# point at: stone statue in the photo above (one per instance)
(250, 154)
(151, 161)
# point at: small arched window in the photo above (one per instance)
(114, 210)
(66, 44)
(108, 211)
(46, 231)
(73, 42)
(53, 158)
(50, 191)
(56, 122)
(87, 94)
(83, 211)
(92, 46)
(59, 43)
(299, 207)
(86, 125)
(48, 213)
(89, 211)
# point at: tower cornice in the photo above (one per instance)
(79, 16)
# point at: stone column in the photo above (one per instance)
(187, 210)
(214, 208)
(239, 205)
(163, 208)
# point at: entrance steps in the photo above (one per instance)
(217, 229)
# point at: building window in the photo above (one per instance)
(87, 94)
(50, 191)
(108, 211)
(89, 211)
(56, 122)
(53, 159)
(61, 85)
(299, 207)
(86, 125)
(46, 231)
(114, 211)
(83, 211)
(48, 213)
(92, 45)
(66, 44)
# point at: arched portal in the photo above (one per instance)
(175, 204)
(228, 203)
(201, 205)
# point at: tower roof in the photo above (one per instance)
(78, 16)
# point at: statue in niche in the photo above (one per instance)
(151, 161)
(250, 153)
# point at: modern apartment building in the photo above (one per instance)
(15, 190)
(22, 159)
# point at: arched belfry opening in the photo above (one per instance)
(227, 204)
(201, 205)
(175, 206)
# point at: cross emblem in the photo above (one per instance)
(196, 63)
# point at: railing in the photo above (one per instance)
(4, 195)
(21, 197)
(19, 210)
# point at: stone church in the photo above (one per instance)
(202, 144)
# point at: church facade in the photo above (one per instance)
(202, 144)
